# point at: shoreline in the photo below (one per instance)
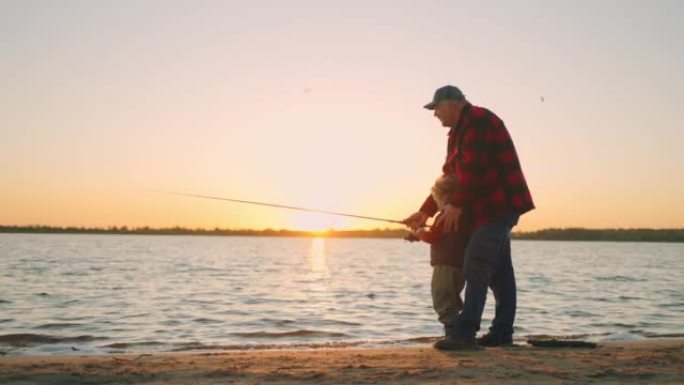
(653, 361)
(39, 345)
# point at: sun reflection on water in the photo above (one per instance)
(317, 261)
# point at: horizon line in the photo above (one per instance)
(330, 229)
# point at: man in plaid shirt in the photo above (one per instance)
(492, 189)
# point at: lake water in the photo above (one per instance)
(62, 294)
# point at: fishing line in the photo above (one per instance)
(281, 206)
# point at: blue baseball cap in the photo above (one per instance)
(445, 93)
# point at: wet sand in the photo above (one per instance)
(657, 361)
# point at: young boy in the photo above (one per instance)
(446, 257)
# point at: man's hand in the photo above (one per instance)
(449, 219)
(416, 220)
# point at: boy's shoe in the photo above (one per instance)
(456, 343)
(491, 340)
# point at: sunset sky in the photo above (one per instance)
(319, 104)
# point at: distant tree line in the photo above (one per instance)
(177, 230)
(568, 234)
(618, 235)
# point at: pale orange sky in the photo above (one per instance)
(318, 104)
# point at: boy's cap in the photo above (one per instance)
(445, 93)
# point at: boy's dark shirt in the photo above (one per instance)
(449, 249)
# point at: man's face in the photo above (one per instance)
(448, 112)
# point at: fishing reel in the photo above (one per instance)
(411, 236)
(425, 233)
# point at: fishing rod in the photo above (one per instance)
(281, 206)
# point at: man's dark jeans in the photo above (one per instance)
(488, 264)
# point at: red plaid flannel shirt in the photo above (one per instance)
(491, 183)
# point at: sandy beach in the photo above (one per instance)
(657, 361)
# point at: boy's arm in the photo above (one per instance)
(429, 207)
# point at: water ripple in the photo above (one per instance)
(59, 325)
(620, 278)
(27, 339)
(295, 333)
